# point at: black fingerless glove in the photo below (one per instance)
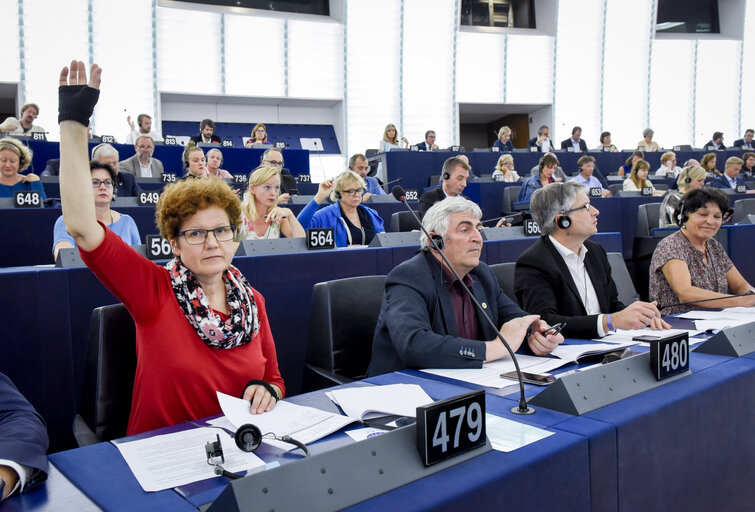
(266, 385)
(76, 103)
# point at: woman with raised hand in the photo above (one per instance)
(200, 326)
(261, 216)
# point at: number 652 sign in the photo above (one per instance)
(450, 427)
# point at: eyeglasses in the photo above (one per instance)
(585, 207)
(354, 192)
(274, 163)
(199, 236)
(107, 183)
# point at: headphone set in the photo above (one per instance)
(446, 175)
(248, 438)
(682, 217)
(439, 241)
(564, 221)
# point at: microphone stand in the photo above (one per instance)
(522, 408)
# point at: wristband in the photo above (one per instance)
(76, 103)
(609, 323)
(266, 385)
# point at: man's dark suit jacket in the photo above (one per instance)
(544, 286)
(198, 138)
(127, 186)
(741, 142)
(723, 182)
(532, 143)
(429, 198)
(417, 327)
(423, 146)
(23, 437)
(566, 144)
(711, 143)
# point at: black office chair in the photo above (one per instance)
(108, 377)
(373, 165)
(504, 273)
(510, 196)
(648, 217)
(615, 189)
(403, 221)
(742, 208)
(620, 274)
(341, 327)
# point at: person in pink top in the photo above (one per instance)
(200, 326)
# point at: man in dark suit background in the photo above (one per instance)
(730, 178)
(125, 185)
(206, 133)
(564, 277)
(575, 141)
(23, 442)
(429, 143)
(453, 181)
(541, 142)
(746, 142)
(716, 143)
(426, 319)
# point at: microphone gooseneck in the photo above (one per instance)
(522, 408)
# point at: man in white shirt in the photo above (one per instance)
(145, 128)
(668, 165)
(25, 124)
(564, 277)
(142, 165)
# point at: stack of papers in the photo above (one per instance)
(717, 320)
(506, 435)
(367, 402)
(621, 336)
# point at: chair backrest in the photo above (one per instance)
(742, 208)
(648, 217)
(615, 189)
(109, 372)
(620, 274)
(403, 221)
(510, 196)
(342, 324)
(504, 273)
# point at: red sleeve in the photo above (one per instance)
(136, 281)
(272, 374)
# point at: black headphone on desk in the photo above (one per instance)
(564, 221)
(248, 438)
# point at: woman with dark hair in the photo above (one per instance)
(200, 326)
(259, 135)
(709, 164)
(546, 167)
(605, 143)
(103, 181)
(691, 265)
(748, 169)
(625, 169)
(638, 179)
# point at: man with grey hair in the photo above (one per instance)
(125, 185)
(428, 321)
(564, 277)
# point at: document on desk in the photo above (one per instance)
(305, 424)
(572, 353)
(167, 461)
(739, 313)
(506, 435)
(490, 373)
(374, 401)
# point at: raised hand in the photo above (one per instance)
(76, 97)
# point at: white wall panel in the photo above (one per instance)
(479, 67)
(747, 108)
(529, 69)
(10, 70)
(671, 92)
(717, 95)
(315, 59)
(625, 70)
(254, 58)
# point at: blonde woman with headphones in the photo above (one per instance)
(691, 178)
(14, 159)
(261, 217)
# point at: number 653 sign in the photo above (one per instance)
(450, 427)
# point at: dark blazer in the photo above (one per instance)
(417, 328)
(429, 198)
(423, 146)
(741, 142)
(508, 147)
(127, 186)
(532, 143)
(711, 143)
(544, 286)
(566, 144)
(198, 138)
(23, 437)
(723, 182)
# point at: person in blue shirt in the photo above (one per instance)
(15, 158)
(358, 164)
(546, 167)
(586, 168)
(504, 140)
(352, 222)
(731, 178)
(103, 180)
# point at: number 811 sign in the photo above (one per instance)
(450, 427)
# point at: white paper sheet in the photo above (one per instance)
(393, 399)
(490, 373)
(718, 323)
(623, 336)
(170, 460)
(360, 434)
(570, 353)
(506, 435)
(305, 424)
